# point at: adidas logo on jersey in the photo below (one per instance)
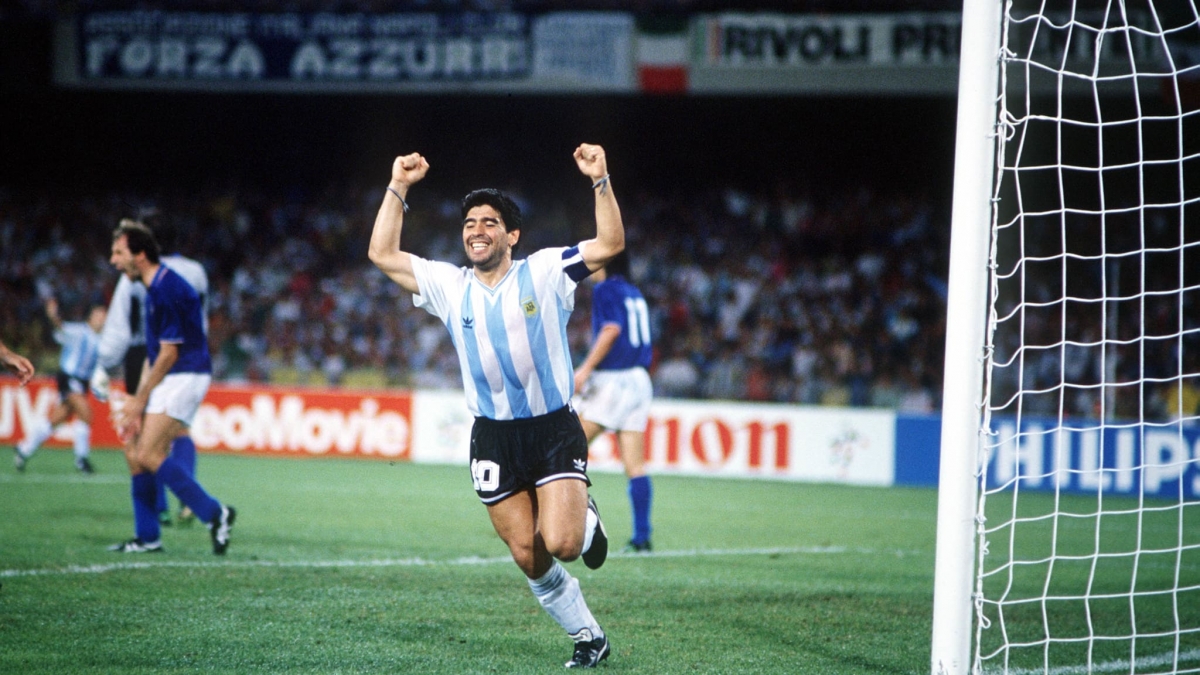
(468, 323)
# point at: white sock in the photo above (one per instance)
(83, 439)
(38, 433)
(560, 596)
(589, 529)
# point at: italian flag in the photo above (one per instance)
(662, 58)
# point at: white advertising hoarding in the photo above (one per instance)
(708, 438)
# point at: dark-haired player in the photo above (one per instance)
(123, 340)
(174, 381)
(614, 386)
(508, 322)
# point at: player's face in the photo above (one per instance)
(96, 318)
(486, 241)
(123, 259)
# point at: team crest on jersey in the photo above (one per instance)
(530, 307)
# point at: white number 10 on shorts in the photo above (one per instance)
(485, 475)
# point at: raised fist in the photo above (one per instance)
(409, 169)
(591, 161)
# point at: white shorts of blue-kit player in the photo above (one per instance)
(179, 396)
(618, 400)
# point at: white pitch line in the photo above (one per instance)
(105, 479)
(1117, 666)
(416, 562)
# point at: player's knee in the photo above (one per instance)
(525, 559)
(140, 459)
(565, 548)
(145, 457)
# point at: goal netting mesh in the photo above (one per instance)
(1088, 523)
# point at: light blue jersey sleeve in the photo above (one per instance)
(437, 281)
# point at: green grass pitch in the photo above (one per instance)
(345, 566)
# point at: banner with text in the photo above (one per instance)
(808, 41)
(1162, 461)
(248, 420)
(901, 53)
(324, 51)
(708, 438)
(1078, 456)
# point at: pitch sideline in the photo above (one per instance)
(424, 562)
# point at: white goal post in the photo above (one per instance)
(1068, 536)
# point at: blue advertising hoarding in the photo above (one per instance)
(1077, 456)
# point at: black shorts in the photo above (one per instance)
(135, 358)
(508, 456)
(68, 385)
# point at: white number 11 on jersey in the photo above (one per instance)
(639, 321)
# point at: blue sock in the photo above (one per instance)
(188, 490)
(183, 449)
(145, 518)
(160, 502)
(640, 493)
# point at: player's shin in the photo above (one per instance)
(172, 472)
(559, 594)
(82, 437)
(145, 519)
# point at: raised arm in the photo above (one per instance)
(384, 250)
(52, 313)
(610, 232)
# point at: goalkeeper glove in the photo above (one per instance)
(99, 384)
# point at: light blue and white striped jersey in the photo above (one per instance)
(511, 339)
(81, 348)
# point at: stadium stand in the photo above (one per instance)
(836, 300)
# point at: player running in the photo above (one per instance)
(614, 386)
(80, 342)
(508, 323)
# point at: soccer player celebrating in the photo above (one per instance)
(79, 340)
(174, 381)
(123, 340)
(508, 322)
(614, 386)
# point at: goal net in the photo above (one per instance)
(1086, 544)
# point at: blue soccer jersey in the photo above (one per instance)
(617, 301)
(125, 326)
(174, 314)
(511, 339)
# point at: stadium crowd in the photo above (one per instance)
(790, 295)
